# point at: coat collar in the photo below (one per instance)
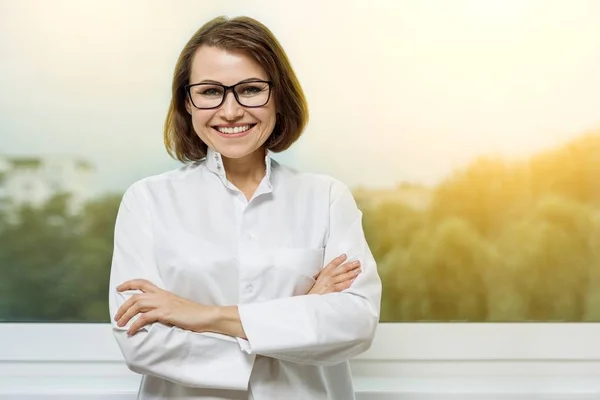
(214, 163)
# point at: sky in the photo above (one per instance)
(398, 91)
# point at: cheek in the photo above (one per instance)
(200, 121)
(269, 117)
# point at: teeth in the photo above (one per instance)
(237, 129)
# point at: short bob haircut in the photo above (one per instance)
(253, 38)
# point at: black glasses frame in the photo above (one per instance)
(226, 89)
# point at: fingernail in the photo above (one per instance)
(356, 262)
(342, 256)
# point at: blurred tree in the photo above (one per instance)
(548, 256)
(525, 242)
(499, 241)
(570, 171)
(486, 194)
(441, 275)
(90, 259)
(55, 265)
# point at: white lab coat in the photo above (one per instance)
(191, 232)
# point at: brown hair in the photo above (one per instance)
(250, 36)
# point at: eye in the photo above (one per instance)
(252, 89)
(209, 91)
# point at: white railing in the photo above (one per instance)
(437, 361)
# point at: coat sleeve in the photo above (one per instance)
(200, 360)
(322, 329)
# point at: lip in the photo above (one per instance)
(233, 135)
(233, 125)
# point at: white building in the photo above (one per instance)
(34, 180)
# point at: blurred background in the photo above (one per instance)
(469, 131)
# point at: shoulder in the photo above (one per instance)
(143, 188)
(319, 182)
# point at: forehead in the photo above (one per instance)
(225, 66)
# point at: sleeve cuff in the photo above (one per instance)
(244, 345)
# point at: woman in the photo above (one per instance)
(218, 288)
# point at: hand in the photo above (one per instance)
(158, 305)
(336, 277)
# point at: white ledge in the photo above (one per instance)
(410, 341)
(367, 388)
(416, 361)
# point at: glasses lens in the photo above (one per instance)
(250, 94)
(253, 94)
(206, 95)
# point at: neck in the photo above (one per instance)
(246, 172)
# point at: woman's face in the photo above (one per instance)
(233, 130)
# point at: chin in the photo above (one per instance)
(239, 151)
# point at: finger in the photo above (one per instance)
(336, 262)
(125, 306)
(138, 284)
(347, 276)
(138, 307)
(144, 319)
(343, 285)
(347, 267)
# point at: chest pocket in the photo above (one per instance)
(295, 269)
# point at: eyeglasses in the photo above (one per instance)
(206, 96)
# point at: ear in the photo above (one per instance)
(188, 106)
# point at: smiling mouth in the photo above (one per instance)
(234, 130)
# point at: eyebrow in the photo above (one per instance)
(220, 83)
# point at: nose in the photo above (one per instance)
(231, 109)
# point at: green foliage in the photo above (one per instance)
(499, 242)
(55, 265)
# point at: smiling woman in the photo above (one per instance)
(263, 286)
(217, 117)
(459, 128)
(217, 61)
